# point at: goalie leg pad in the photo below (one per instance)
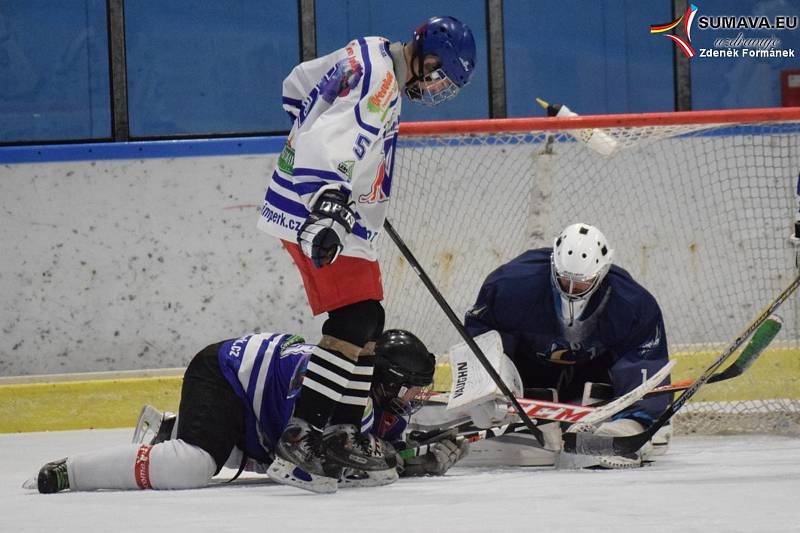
(615, 428)
(660, 442)
(517, 449)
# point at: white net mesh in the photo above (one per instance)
(699, 215)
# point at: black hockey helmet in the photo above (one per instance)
(403, 371)
(401, 357)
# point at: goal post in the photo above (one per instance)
(697, 205)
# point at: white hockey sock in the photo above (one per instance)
(172, 464)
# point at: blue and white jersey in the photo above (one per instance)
(622, 324)
(266, 371)
(261, 369)
(345, 110)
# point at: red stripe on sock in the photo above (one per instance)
(141, 469)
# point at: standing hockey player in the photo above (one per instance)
(327, 201)
(236, 400)
(568, 316)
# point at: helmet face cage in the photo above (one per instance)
(573, 286)
(401, 399)
(432, 89)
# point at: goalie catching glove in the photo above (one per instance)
(442, 454)
(322, 235)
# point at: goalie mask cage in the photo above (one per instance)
(697, 205)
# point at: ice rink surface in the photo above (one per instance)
(705, 484)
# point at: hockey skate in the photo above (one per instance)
(53, 477)
(153, 426)
(301, 460)
(347, 447)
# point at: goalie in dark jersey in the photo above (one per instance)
(568, 316)
(236, 399)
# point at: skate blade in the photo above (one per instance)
(286, 473)
(377, 478)
(147, 425)
(32, 483)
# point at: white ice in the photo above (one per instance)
(709, 484)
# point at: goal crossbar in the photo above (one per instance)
(520, 125)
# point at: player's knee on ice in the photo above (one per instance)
(175, 464)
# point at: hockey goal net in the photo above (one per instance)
(698, 207)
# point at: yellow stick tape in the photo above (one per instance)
(110, 403)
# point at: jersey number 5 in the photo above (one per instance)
(360, 148)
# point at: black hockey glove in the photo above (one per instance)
(441, 456)
(322, 235)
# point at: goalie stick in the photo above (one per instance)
(589, 444)
(426, 280)
(552, 411)
(761, 339)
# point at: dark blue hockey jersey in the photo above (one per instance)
(266, 371)
(619, 335)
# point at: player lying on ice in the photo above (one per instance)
(567, 316)
(236, 399)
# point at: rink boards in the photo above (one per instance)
(110, 400)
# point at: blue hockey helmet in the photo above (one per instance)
(452, 43)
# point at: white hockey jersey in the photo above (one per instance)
(346, 108)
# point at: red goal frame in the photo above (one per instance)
(519, 125)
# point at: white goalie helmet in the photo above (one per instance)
(580, 260)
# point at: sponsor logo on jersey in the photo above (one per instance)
(344, 76)
(477, 310)
(351, 58)
(345, 168)
(340, 80)
(650, 344)
(286, 159)
(299, 374)
(279, 218)
(290, 341)
(376, 193)
(569, 353)
(379, 102)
